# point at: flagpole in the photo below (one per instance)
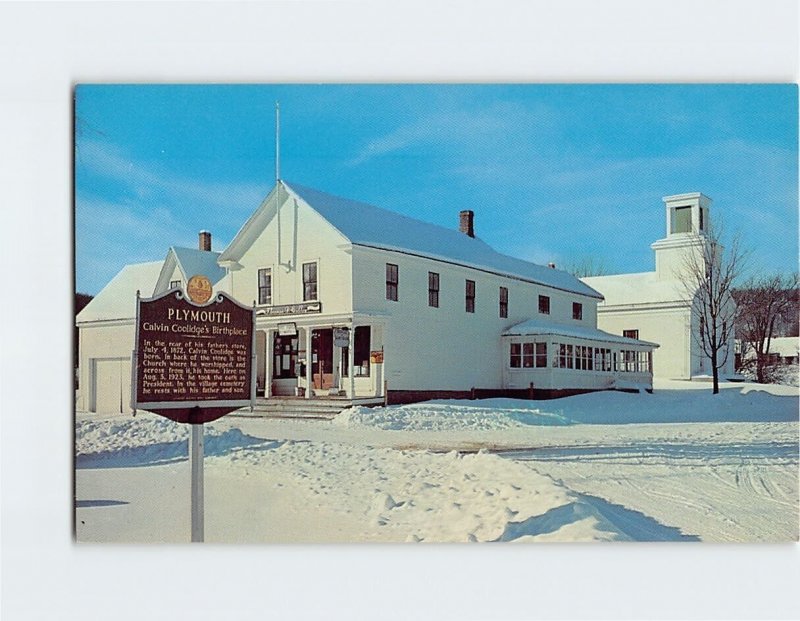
(277, 142)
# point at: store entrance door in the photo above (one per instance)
(322, 358)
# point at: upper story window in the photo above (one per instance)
(470, 296)
(392, 278)
(577, 311)
(309, 281)
(265, 285)
(630, 334)
(504, 302)
(433, 289)
(544, 304)
(174, 284)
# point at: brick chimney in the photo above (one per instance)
(466, 222)
(205, 241)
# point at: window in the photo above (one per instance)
(470, 296)
(527, 355)
(628, 361)
(174, 284)
(516, 355)
(541, 355)
(583, 357)
(602, 359)
(565, 360)
(265, 286)
(392, 277)
(630, 334)
(503, 302)
(544, 304)
(361, 349)
(433, 289)
(682, 220)
(309, 281)
(577, 311)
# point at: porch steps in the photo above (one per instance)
(322, 409)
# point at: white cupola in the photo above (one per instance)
(687, 220)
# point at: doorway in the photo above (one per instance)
(322, 370)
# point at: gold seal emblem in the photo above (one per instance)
(199, 289)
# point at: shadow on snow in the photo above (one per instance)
(163, 453)
(632, 525)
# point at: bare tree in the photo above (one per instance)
(709, 276)
(587, 266)
(764, 302)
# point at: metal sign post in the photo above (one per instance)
(194, 362)
(196, 461)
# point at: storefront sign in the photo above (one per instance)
(341, 337)
(291, 309)
(376, 357)
(287, 329)
(193, 363)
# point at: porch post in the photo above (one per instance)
(309, 364)
(269, 352)
(351, 356)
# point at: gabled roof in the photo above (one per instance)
(641, 288)
(366, 225)
(533, 327)
(117, 300)
(190, 262)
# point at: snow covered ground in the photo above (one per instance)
(678, 465)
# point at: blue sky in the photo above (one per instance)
(553, 172)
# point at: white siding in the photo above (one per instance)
(304, 237)
(447, 348)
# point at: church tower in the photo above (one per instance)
(687, 220)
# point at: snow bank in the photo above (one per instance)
(745, 403)
(447, 415)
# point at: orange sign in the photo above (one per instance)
(376, 357)
(199, 289)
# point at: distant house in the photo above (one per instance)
(655, 306)
(366, 304)
(782, 350)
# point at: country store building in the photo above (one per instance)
(362, 304)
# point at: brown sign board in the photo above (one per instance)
(193, 363)
(376, 357)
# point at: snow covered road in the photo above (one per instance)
(727, 471)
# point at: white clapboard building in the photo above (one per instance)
(656, 306)
(357, 302)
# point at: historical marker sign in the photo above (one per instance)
(193, 363)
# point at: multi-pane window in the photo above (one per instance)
(174, 284)
(564, 359)
(602, 359)
(541, 355)
(630, 334)
(265, 286)
(577, 311)
(309, 281)
(544, 304)
(583, 358)
(470, 296)
(527, 355)
(392, 277)
(433, 289)
(504, 302)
